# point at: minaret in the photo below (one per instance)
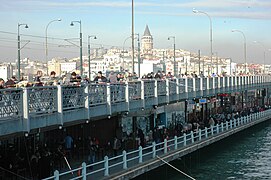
(147, 40)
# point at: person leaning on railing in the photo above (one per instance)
(2, 83)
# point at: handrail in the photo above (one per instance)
(178, 142)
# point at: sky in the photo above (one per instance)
(110, 21)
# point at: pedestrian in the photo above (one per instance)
(116, 146)
(100, 78)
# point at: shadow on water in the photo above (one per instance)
(226, 159)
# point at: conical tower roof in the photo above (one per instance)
(147, 31)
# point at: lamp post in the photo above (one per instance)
(133, 44)
(138, 54)
(46, 41)
(264, 49)
(211, 36)
(89, 70)
(19, 51)
(174, 49)
(123, 50)
(81, 53)
(245, 47)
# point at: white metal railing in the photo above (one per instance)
(21, 103)
(129, 159)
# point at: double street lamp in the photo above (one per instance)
(245, 47)
(81, 51)
(89, 70)
(264, 49)
(211, 36)
(19, 50)
(174, 56)
(138, 54)
(46, 41)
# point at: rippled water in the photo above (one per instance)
(246, 155)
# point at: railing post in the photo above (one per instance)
(186, 84)
(213, 83)
(199, 134)
(127, 95)
(207, 83)
(194, 84)
(165, 146)
(228, 82)
(26, 120)
(175, 142)
(143, 94)
(223, 82)
(212, 130)
(192, 136)
(153, 149)
(167, 90)
(201, 84)
(184, 139)
(177, 87)
(108, 93)
(56, 175)
(231, 123)
(156, 92)
(106, 166)
(124, 154)
(87, 101)
(206, 132)
(60, 104)
(217, 128)
(222, 127)
(84, 171)
(227, 125)
(140, 155)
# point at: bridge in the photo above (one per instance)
(23, 110)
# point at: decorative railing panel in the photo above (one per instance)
(181, 85)
(197, 80)
(134, 90)
(11, 103)
(172, 86)
(73, 97)
(162, 87)
(211, 82)
(97, 94)
(190, 84)
(149, 87)
(117, 92)
(42, 99)
(204, 83)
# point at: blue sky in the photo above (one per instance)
(111, 22)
